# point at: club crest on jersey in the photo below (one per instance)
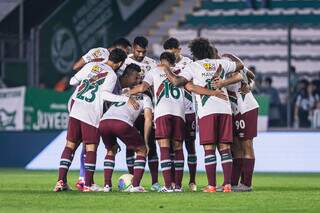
(97, 53)
(148, 68)
(96, 69)
(208, 66)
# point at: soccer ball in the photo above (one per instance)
(124, 182)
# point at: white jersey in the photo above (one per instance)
(96, 53)
(201, 72)
(94, 79)
(168, 98)
(188, 96)
(146, 64)
(122, 111)
(241, 103)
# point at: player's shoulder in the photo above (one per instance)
(150, 61)
(186, 60)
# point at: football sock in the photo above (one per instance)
(178, 166)
(108, 169)
(130, 160)
(166, 166)
(153, 163)
(248, 167)
(210, 163)
(236, 171)
(139, 165)
(226, 161)
(90, 167)
(172, 172)
(65, 162)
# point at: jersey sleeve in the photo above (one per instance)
(147, 103)
(108, 87)
(148, 78)
(96, 53)
(81, 75)
(186, 73)
(228, 66)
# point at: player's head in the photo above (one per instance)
(167, 58)
(116, 58)
(201, 49)
(173, 45)
(123, 44)
(140, 45)
(131, 75)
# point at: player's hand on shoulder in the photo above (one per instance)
(133, 103)
(219, 94)
(245, 88)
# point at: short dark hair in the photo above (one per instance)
(117, 55)
(122, 42)
(201, 48)
(131, 68)
(171, 43)
(170, 57)
(141, 41)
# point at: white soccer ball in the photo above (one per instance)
(124, 182)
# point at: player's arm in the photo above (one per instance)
(239, 63)
(219, 83)
(204, 91)
(79, 64)
(173, 78)
(147, 126)
(144, 86)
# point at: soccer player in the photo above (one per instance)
(215, 120)
(95, 81)
(95, 55)
(100, 53)
(173, 45)
(138, 57)
(118, 122)
(245, 110)
(169, 117)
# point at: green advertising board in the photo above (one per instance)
(78, 26)
(46, 109)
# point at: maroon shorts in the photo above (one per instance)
(170, 127)
(245, 125)
(80, 131)
(215, 128)
(190, 127)
(111, 129)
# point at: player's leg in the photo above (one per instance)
(165, 163)
(225, 138)
(91, 138)
(73, 141)
(139, 165)
(237, 154)
(250, 121)
(163, 134)
(208, 138)
(172, 171)
(111, 145)
(130, 160)
(178, 136)
(190, 146)
(153, 161)
(80, 182)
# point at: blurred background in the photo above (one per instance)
(40, 40)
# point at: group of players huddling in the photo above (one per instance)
(139, 101)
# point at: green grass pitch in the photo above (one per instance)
(31, 191)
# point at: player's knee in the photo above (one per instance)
(164, 143)
(224, 146)
(177, 145)
(208, 147)
(71, 145)
(91, 147)
(142, 151)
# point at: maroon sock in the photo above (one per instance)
(178, 166)
(210, 162)
(192, 165)
(226, 161)
(130, 160)
(166, 166)
(108, 169)
(65, 162)
(139, 165)
(248, 167)
(90, 167)
(236, 171)
(153, 164)
(173, 171)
